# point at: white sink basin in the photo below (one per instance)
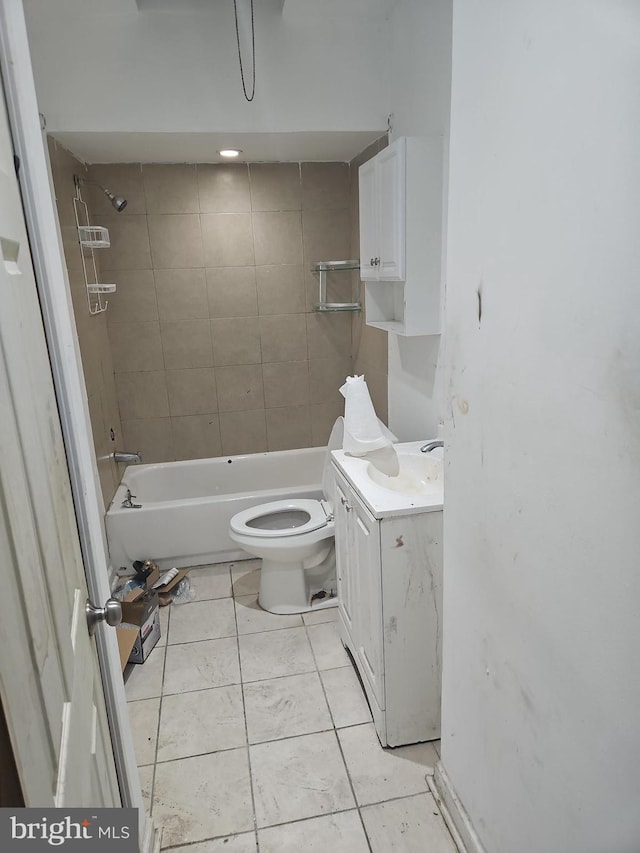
(420, 474)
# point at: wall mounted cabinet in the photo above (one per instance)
(401, 231)
(382, 183)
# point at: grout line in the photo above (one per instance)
(335, 732)
(155, 755)
(344, 760)
(244, 712)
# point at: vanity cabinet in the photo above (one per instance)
(401, 235)
(390, 603)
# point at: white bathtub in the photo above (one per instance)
(187, 506)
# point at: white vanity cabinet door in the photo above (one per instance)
(368, 589)
(344, 552)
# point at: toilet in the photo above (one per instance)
(295, 539)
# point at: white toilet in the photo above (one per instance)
(295, 539)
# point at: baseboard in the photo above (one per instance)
(453, 812)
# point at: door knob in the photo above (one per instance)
(111, 613)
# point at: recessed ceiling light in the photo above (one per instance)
(230, 152)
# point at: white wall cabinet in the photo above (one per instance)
(382, 202)
(401, 235)
(390, 604)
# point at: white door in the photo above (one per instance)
(49, 678)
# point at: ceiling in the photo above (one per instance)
(159, 81)
(96, 147)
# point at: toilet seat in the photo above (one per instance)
(314, 514)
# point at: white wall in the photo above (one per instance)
(178, 71)
(420, 78)
(541, 695)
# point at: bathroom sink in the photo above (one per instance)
(418, 475)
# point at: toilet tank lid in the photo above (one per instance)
(334, 443)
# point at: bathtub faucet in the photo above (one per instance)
(127, 458)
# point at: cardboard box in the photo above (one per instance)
(140, 630)
(126, 641)
(148, 636)
(141, 622)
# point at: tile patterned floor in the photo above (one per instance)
(252, 734)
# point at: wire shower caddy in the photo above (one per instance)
(91, 237)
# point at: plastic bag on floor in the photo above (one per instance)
(183, 593)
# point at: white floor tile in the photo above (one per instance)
(410, 825)
(211, 581)
(316, 617)
(245, 577)
(380, 774)
(143, 716)
(202, 620)
(285, 707)
(245, 843)
(298, 778)
(144, 681)
(203, 797)
(146, 782)
(252, 619)
(338, 833)
(327, 646)
(196, 666)
(345, 696)
(275, 653)
(200, 722)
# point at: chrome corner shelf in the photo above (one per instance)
(91, 237)
(324, 267)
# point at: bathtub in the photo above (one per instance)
(186, 506)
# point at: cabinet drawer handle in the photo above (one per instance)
(372, 262)
(345, 504)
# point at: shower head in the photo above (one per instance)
(117, 201)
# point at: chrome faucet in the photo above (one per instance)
(430, 445)
(127, 458)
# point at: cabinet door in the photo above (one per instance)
(344, 554)
(368, 220)
(368, 596)
(391, 177)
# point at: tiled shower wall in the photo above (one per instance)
(369, 345)
(215, 346)
(93, 339)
